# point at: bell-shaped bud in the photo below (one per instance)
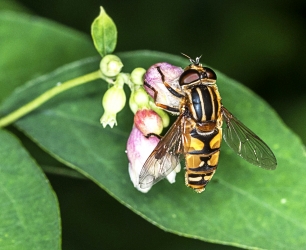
(139, 99)
(137, 76)
(113, 102)
(110, 65)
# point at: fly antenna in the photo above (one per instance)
(196, 61)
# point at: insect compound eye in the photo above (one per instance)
(189, 76)
(209, 74)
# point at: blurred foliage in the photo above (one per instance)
(258, 43)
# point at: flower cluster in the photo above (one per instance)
(149, 120)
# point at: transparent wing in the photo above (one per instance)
(165, 157)
(247, 144)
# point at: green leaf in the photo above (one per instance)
(31, 46)
(29, 217)
(11, 5)
(242, 206)
(104, 33)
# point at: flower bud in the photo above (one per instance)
(139, 99)
(171, 75)
(133, 105)
(137, 76)
(110, 65)
(148, 122)
(113, 102)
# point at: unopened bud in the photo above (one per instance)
(110, 65)
(137, 76)
(113, 102)
(139, 99)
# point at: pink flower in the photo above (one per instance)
(138, 150)
(139, 147)
(171, 74)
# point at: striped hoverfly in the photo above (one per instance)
(197, 132)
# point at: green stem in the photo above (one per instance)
(27, 108)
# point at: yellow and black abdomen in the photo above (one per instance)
(202, 157)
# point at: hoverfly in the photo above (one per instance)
(197, 132)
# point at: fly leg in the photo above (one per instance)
(160, 105)
(171, 90)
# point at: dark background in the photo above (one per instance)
(259, 43)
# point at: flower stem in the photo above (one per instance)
(27, 108)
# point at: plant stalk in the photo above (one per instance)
(27, 108)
